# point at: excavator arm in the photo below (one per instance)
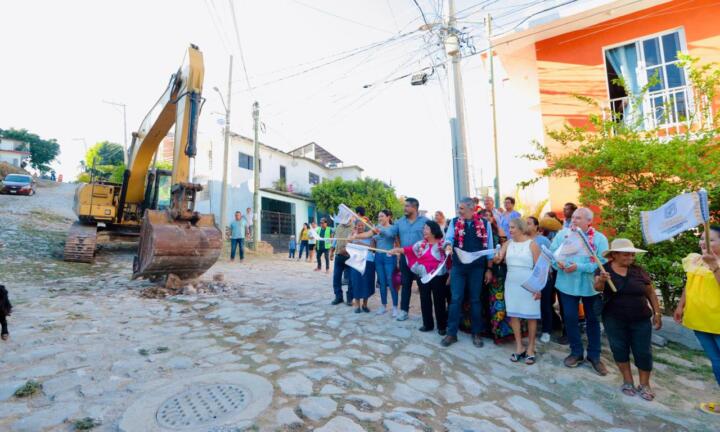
(175, 240)
(180, 106)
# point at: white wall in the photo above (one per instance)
(519, 123)
(11, 158)
(240, 180)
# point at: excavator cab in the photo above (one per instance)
(157, 190)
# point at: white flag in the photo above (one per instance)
(538, 278)
(429, 276)
(358, 256)
(344, 216)
(571, 246)
(682, 213)
(314, 234)
(468, 257)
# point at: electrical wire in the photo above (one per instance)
(316, 67)
(340, 17)
(421, 12)
(243, 63)
(522, 21)
(221, 34)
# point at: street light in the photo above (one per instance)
(124, 111)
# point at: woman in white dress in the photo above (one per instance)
(520, 255)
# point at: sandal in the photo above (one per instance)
(710, 407)
(628, 389)
(530, 360)
(515, 357)
(646, 393)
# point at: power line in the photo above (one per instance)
(340, 17)
(313, 68)
(237, 38)
(221, 34)
(421, 12)
(392, 13)
(540, 12)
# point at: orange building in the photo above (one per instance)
(582, 51)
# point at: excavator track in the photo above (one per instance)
(80, 243)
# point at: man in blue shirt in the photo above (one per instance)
(508, 215)
(409, 229)
(575, 283)
(238, 229)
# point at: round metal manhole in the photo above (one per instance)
(202, 405)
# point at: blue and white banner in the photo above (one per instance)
(680, 214)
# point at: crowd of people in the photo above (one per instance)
(470, 270)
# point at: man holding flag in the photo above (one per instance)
(469, 240)
(576, 267)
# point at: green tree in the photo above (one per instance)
(105, 160)
(623, 169)
(372, 194)
(42, 151)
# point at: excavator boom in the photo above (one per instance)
(176, 240)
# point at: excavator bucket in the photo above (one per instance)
(184, 248)
(177, 240)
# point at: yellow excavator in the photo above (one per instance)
(173, 237)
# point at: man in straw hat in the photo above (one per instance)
(627, 314)
(575, 283)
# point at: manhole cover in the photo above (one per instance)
(202, 405)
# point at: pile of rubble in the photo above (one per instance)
(173, 286)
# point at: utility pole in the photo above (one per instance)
(124, 111)
(488, 22)
(457, 123)
(256, 182)
(223, 193)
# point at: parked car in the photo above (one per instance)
(18, 184)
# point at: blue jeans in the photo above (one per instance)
(240, 243)
(711, 344)
(384, 267)
(303, 247)
(593, 307)
(474, 276)
(291, 253)
(339, 267)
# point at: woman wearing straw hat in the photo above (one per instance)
(627, 314)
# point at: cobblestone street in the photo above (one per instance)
(275, 355)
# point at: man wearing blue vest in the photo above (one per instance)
(470, 233)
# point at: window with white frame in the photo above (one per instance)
(652, 62)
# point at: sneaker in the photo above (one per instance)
(448, 340)
(336, 302)
(425, 329)
(366, 309)
(358, 310)
(599, 367)
(381, 310)
(572, 362)
(394, 312)
(545, 338)
(402, 316)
